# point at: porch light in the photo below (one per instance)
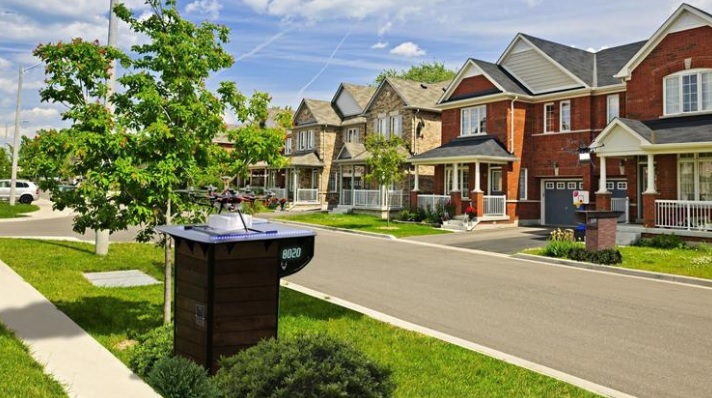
(621, 166)
(584, 155)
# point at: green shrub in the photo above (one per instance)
(253, 208)
(663, 241)
(405, 215)
(560, 248)
(305, 366)
(606, 256)
(152, 346)
(178, 377)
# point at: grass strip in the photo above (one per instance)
(366, 223)
(16, 211)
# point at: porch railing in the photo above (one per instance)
(278, 192)
(495, 206)
(684, 214)
(431, 201)
(346, 199)
(307, 195)
(621, 204)
(372, 198)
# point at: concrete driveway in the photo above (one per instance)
(498, 239)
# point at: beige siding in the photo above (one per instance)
(537, 72)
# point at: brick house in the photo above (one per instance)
(401, 107)
(548, 123)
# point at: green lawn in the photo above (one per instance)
(423, 366)
(364, 222)
(19, 210)
(695, 262)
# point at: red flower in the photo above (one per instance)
(469, 210)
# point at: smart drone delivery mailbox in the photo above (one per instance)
(227, 285)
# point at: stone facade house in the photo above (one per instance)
(549, 128)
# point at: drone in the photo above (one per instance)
(210, 196)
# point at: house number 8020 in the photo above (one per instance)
(291, 253)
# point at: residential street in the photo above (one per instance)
(639, 336)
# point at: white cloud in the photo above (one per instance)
(380, 44)
(316, 10)
(532, 3)
(408, 49)
(210, 8)
(385, 28)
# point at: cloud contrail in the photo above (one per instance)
(261, 45)
(326, 65)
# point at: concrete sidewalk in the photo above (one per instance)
(83, 366)
(44, 213)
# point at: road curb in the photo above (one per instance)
(328, 228)
(688, 280)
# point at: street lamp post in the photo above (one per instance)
(16, 138)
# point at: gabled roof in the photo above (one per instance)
(414, 94)
(609, 61)
(309, 159)
(492, 72)
(352, 153)
(362, 94)
(626, 136)
(484, 147)
(574, 60)
(685, 17)
(321, 110)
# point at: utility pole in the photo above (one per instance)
(16, 139)
(101, 236)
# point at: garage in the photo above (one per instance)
(558, 208)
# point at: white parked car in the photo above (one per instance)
(25, 191)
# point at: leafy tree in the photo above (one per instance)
(5, 164)
(425, 73)
(385, 162)
(159, 137)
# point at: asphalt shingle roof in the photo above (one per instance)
(476, 146)
(418, 95)
(362, 94)
(577, 61)
(352, 153)
(611, 60)
(323, 112)
(679, 130)
(306, 160)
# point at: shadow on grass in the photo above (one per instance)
(297, 304)
(82, 248)
(106, 315)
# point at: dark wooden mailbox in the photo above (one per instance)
(227, 285)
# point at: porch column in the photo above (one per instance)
(415, 183)
(602, 180)
(651, 175)
(477, 178)
(650, 195)
(455, 179)
(295, 182)
(353, 184)
(341, 184)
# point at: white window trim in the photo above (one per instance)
(462, 179)
(547, 127)
(695, 160)
(492, 170)
(477, 131)
(288, 146)
(523, 183)
(351, 135)
(561, 115)
(678, 76)
(609, 109)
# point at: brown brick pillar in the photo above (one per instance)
(478, 203)
(649, 209)
(414, 199)
(456, 199)
(603, 201)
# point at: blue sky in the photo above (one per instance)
(296, 49)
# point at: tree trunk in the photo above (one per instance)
(168, 270)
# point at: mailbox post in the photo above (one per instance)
(227, 285)
(600, 228)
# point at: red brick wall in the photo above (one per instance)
(645, 88)
(473, 85)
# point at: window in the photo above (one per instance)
(613, 107)
(333, 182)
(565, 116)
(463, 180)
(473, 120)
(495, 181)
(695, 178)
(688, 92)
(549, 116)
(288, 146)
(306, 140)
(352, 135)
(389, 126)
(523, 184)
